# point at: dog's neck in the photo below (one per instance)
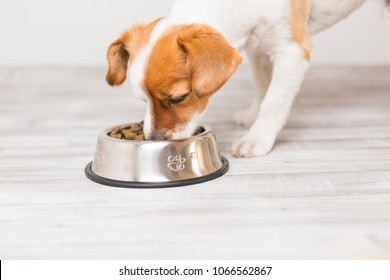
(234, 28)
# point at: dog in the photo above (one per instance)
(178, 62)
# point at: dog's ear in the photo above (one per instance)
(210, 59)
(118, 59)
(118, 55)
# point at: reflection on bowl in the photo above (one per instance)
(153, 164)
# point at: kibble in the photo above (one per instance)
(133, 132)
(136, 132)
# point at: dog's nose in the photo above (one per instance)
(157, 135)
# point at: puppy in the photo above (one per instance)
(178, 62)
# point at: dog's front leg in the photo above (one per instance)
(289, 68)
(261, 71)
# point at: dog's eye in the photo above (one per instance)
(178, 100)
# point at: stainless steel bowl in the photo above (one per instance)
(153, 164)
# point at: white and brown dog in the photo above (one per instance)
(178, 62)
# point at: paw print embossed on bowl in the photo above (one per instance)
(153, 164)
(176, 163)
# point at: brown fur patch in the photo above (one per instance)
(126, 48)
(210, 59)
(189, 59)
(298, 21)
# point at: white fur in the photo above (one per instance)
(138, 67)
(148, 121)
(260, 28)
(233, 19)
(326, 13)
(289, 69)
(187, 131)
(278, 64)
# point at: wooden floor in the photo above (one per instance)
(323, 193)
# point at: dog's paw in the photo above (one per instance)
(245, 117)
(252, 147)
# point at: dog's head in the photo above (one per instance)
(175, 69)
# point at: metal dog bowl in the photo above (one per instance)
(156, 164)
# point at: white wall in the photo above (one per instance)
(68, 32)
(362, 38)
(77, 32)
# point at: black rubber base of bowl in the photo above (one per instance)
(152, 185)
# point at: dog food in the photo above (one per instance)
(133, 132)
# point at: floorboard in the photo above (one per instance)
(322, 193)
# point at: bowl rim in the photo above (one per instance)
(104, 134)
